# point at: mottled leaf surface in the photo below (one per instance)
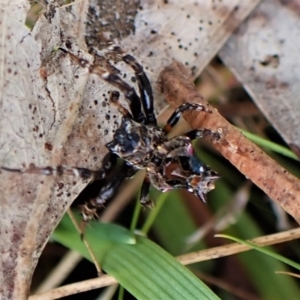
(264, 55)
(53, 112)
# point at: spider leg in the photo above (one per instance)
(61, 170)
(194, 176)
(145, 192)
(178, 185)
(115, 80)
(183, 147)
(108, 162)
(160, 182)
(130, 94)
(114, 98)
(188, 183)
(144, 88)
(172, 121)
(108, 191)
(199, 133)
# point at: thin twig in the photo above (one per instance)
(75, 288)
(267, 174)
(77, 226)
(234, 248)
(61, 271)
(186, 259)
(239, 292)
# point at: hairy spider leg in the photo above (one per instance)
(115, 80)
(177, 184)
(144, 198)
(199, 133)
(144, 84)
(109, 161)
(173, 120)
(145, 89)
(114, 98)
(90, 209)
(61, 170)
(130, 94)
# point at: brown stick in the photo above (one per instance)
(274, 180)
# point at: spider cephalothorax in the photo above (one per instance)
(142, 144)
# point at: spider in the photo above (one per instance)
(141, 144)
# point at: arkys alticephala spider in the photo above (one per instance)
(169, 163)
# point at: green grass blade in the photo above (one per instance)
(263, 250)
(154, 272)
(269, 145)
(139, 265)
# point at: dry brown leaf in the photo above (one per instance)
(53, 112)
(264, 55)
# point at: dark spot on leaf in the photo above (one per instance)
(48, 146)
(60, 185)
